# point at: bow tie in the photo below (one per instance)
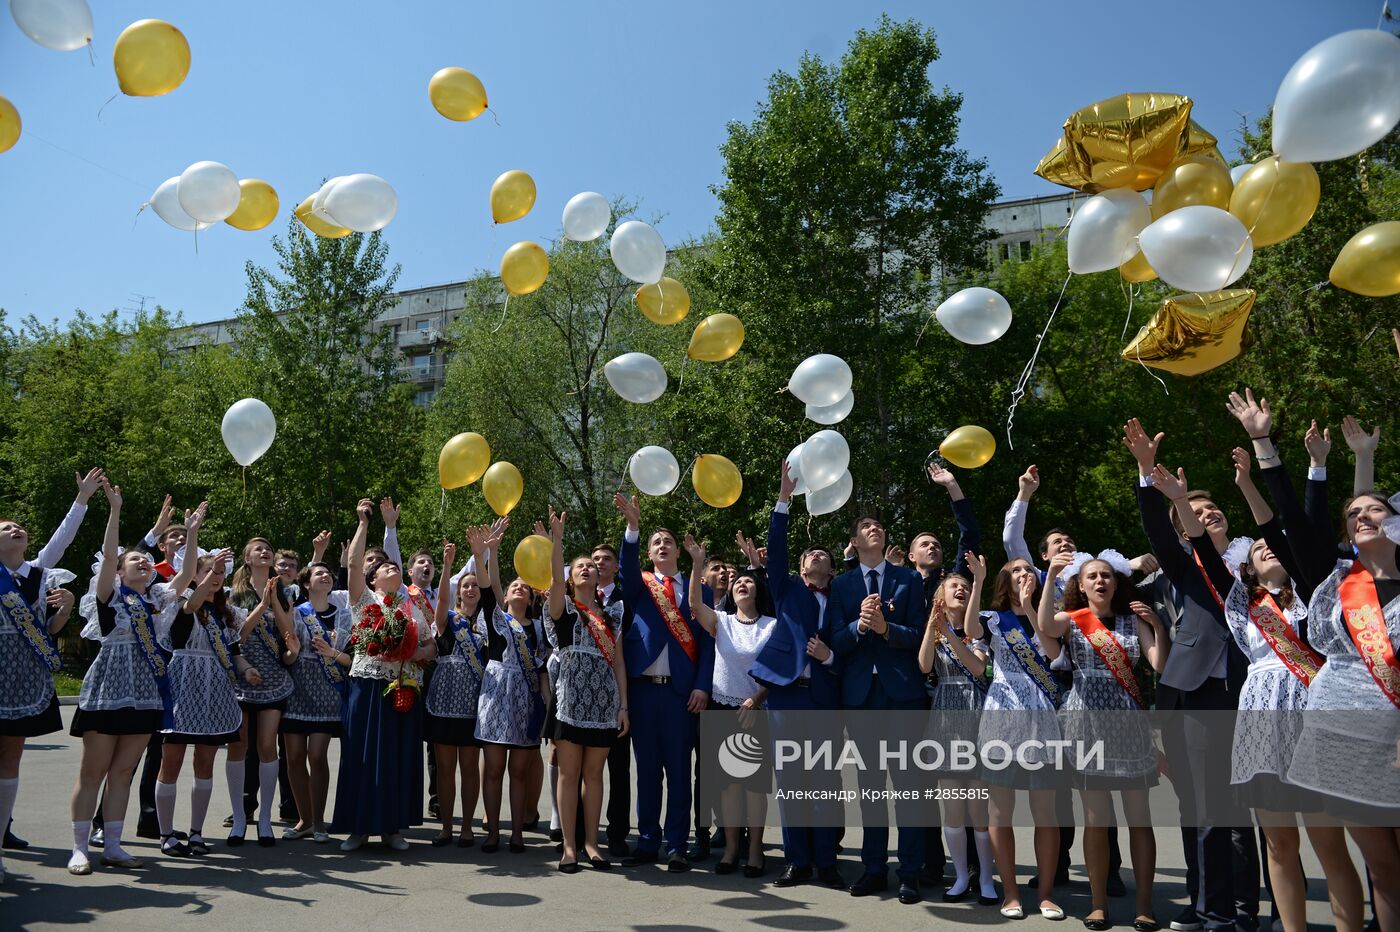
(824, 590)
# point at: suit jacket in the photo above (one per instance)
(648, 635)
(784, 655)
(1201, 636)
(896, 657)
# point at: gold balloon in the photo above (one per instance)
(463, 460)
(716, 480)
(315, 224)
(1369, 264)
(1136, 269)
(1276, 199)
(716, 338)
(457, 94)
(1194, 179)
(257, 205)
(534, 561)
(512, 196)
(665, 302)
(151, 58)
(9, 124)
(524, 268)
(502, 485)
(1194, 333)
(1124, 142)
(969, 446)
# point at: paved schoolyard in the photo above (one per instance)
(304, 886)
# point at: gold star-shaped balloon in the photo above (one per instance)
(1194, 333)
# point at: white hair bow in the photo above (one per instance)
(1112, 557)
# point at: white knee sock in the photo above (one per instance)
(553, 797)
(112, 840)
(233, 775)
(955, 839)
(165, 806)
(267, 788)
(986, 863)
(199, 804)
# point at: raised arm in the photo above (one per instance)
(630, 560)
(1161, 536)
(445, 594)
(1315, 506)
(493, 566)
(52, 551)
(702, 612)
(969, 538)
(1013, 529)
(1363, 447)
(203, 591)
(354, 579)
(1051, 624)
(107, 572)
(1152, 636)
(390, 513)
(319, 543)
(291, 644)
(190, 561)
(556, 586)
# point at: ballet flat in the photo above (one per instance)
(1053, 913)
(1013, 912)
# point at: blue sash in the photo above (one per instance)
(329, 667)
(952, 656)
(523, 656)
(21, 615)
(1031, 661)
(466, 642)
(140, 614)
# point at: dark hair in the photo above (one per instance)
(608, 547)
(421, 553)
(1369, 493)
(811, 550)
(1123, 592)
(1195, 495)
(290, 553)
(1045, 539)
(858, 523)
(219, 599)
(763, 599)
(171, 530)
(569, 579)
(379, 553)
(241, 586)
(663, 530)
(711, 561)
(374, 571)
(1003, 597)
(304, 577)
(1257, 590)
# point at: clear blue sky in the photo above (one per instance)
(625, 99)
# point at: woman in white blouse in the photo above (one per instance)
(739, 636)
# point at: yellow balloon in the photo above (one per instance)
(1136, 269)
(315, 224)
(1195, 179)
(534, 561)
(665, 303)
(9, 124)
(512, 196)
(716, 480)
(151, 58)
(969, 446)
(1369, 264)
(1276, 199)
(716, 338)
(463, 460)
(502, 485)
(1194, 333)
(257, 205)
(457, 94)
(524, 268)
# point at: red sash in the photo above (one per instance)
(1206, 576)
(1110, 652)
(602, 634)
(663, 593)
(1300, 659)
(421, 598)
(1365, 621)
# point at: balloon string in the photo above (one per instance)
(245, 485)
(442, 507)
(1019, 391)
(681, 381)
(30, 134)
(1385, 13)
(591, 378)
(1138, 350)
(104, 107)
(501, 323)
(92, 59)
(1128, 292)
(493, 116)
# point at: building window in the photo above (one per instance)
(422, 325)
(425, 397)
(1025, 250)
(1013, 216)
(394, 329)
(1004, 250)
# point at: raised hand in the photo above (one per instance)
(941, 476)
(1318, 444)
(1255, 417)
(788, 484)
(60, 599)
(1143, 448)
(1145, 612)
(696, 551)
(163, 519)
(363, 510)
(1058, 563)
(850, 550)
(449, 552)
(1241, 461)
(496, 533)
(1028, 483)
(977, 566)
(629, 509)
(1145, 563)
(319, 543)
(894, 555)
(1027, 587)
(389, 512)
(760, 557)
(1173, 487)
(1395, 332)
(194, 520)
(556, 525)
(113, 493)
(89, 484)
(1360, 442)
(747, 548)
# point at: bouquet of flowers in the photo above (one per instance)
(388, 632)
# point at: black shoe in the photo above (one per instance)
(1188, 920)
(909, 892)
(233, 840)
(700, 851)
(529, 825)
(172, 846)
(569, 868)
(600, 864)
(516, 847)
(442, 841)
(13, 841)
(266, 841)
(619, 849)
(987, 900)
(228, 821)
(434, 810)
(725, 867)
(792, 876)
(97, 837)
(950, 897)
(492, 846)
(870, 883)
(831, 876)
(638, 858)
(752, 870)
(1098, 925)
(556, 835)
(678, 863)
(198, 847)
(148, 828)
(1116, 887)
(1146, 925)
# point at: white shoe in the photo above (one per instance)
(1053, 913)
(79, 865)
(397, 842)
(352, 843)
(1013, 912)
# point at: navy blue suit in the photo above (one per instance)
(797, 684)
(663, 732)
(881, 673)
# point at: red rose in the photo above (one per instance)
(372, 649)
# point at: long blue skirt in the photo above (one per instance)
(380, 787)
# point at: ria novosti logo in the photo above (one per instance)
(740, 755)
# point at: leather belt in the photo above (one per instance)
(658, 680)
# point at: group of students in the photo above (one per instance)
(612, 665)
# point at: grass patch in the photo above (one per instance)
(67, 685)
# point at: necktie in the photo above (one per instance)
(824, 590)
(873, 578)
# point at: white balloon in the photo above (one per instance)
(318, 202)
(794, 464)
(1342, 96)
(209, 191)
(586, 216)
(1103, 234)
(822, 379)
(825, 457)
(1197, 248)
(825, 501)
(248, 429)
(638, 252)
(363, 203)
(975, 315)
(637, 377)
(166, 203)
(61, 25)
(654, 470)
(832, 414)
(1239, 171)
